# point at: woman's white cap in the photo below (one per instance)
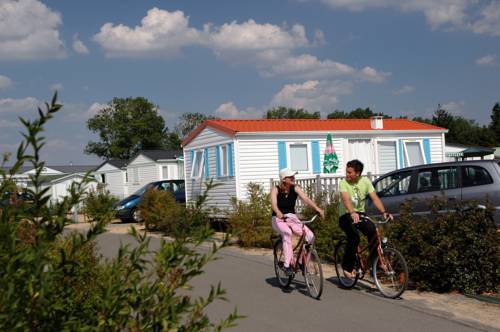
(287, 172)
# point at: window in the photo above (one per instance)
(362, 149)
(393, 185)
(164, 172)
(387, 156)
(475, 176)
(181, 170)
(223, 162)
(299, 157)
(135, 175)
(103, 178)
(414, 154)
(197, 163)
(434, 179)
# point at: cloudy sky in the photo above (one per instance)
(236, 59)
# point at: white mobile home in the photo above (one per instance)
(153, 165)
(236, 152)
(113, 174)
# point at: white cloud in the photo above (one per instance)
(312, 95)
(437, 13)
(79, 46)
(161, 33)
(370, 74)
(308, 66)
(9, 105)
(9, 124)
(487, 60)
(489, 23)
(454, 106)
(29, 30)
(79, 112)
(5, 82)
(404, 90)
(230, 111)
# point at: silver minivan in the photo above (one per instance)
(476, 180)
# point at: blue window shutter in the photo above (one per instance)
(217, 160)
(192, 158)
(401, 155)
(230, 159)
(427, 150)
(282, 154)
(207, 166)
(316, 158)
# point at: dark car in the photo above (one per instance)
(126, 209)
(9, 198)
(474, 180)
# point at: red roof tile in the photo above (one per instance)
(231, 127)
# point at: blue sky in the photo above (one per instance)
(236, 59)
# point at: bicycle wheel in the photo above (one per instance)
(313, 273)
(279, 261)
(344, 281)
(391, 274)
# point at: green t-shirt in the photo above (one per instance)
(357, 192)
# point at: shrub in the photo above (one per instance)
(454, 251)
(160, 212)
(327, 231)
(53, 282)
(98, 203)
(251, 220)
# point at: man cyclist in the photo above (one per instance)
(353, 191)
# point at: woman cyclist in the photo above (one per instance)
(353, 191)
(283, 199)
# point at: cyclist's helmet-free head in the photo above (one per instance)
(286, 173)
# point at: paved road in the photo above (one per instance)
(251, 287)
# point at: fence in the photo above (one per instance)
(321, 183)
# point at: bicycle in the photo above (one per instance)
(305, 258)
(389, 269)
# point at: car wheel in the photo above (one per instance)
(136, 215)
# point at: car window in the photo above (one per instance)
(437, 178)
(394, 184)
(475, 176)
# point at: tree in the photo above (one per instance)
(189, 121)
(290, 113)
(125, 126)
(358, 113)
(495, 122)
(338, 115)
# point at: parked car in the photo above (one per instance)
(474, 180)
(126, 209)
(9, 198)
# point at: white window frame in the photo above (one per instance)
(198, 157)
(223, 159)
(377, 161)
(405, 151)
(309, 156)
(135, 175)
(163, 167)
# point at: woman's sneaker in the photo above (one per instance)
(288, 271)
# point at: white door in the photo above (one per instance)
(362, 150)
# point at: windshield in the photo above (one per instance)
(141, 191)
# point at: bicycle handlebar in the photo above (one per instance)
(385, 221)
(303, 222)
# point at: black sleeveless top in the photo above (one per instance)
(286, 202)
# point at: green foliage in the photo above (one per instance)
(52, 281)
(455, 251)
(98, 203)
(358, 113)
(327, 230)
(290, 113)
(495, 122)
(125, 126)
(189, 121)
(160, 212)
(251, 220)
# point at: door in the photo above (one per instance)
(436, 183)
(393, 190)
(362, 150)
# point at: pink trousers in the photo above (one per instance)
(285, 228)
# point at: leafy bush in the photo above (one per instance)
(454, 251)
(327, 231)
(251, 220)
(56, 282)
(98, 203)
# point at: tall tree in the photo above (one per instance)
(338, 115)
(358, 113)
(125, 126)
(495, 122)
(189, 121)
(290, 113)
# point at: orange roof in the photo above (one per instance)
(231, 127)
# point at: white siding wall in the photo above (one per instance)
(147, 173)
(173, 170)
(220, 196)
(115, 183)
(437, 152)
(59, 190)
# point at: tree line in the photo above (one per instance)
(127, 125)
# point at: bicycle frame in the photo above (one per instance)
(360, 249)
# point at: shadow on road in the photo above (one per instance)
(363, 285)
(296, 285)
